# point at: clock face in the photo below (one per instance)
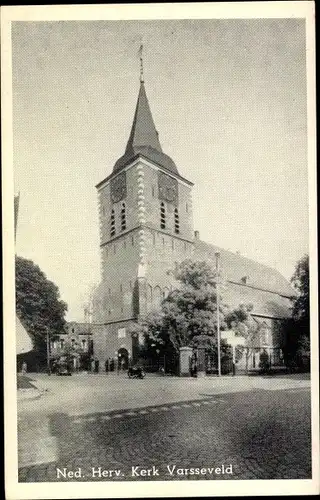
(168, 188)
(118, 188)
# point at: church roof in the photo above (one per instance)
(144, 139)
(243, 271)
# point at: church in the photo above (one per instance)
(146, 228)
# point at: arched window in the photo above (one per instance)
(149, 296)
(112, 224)
(123, 217)
(166, 292)
(162, 216)
(176, 221)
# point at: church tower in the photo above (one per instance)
(146, 228)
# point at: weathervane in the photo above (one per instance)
(141, 63)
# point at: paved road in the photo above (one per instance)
(263, 434)
(80, 393)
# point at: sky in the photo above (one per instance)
(228, 98)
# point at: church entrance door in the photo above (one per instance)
(123, 359)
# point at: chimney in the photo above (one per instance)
(196, 235)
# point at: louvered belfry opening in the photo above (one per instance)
(176, 221)
(112, 224)
(123, 217)
(162, 216)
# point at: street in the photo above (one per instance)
(111, 428)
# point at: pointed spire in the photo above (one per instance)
(144, 138)
(143, 130)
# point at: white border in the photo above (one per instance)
(15, 490)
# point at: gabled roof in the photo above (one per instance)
(23, 338)
(235, 267)
(144, 139)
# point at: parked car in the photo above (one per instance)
(64, 370)
(62, 367)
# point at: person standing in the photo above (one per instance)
(96, 366)
(112, 365)
(106, 365)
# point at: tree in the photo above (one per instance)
(301, 303)
(297, 328)
(38, 304)
(241, 322)
(189, 313)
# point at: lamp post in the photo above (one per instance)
(48, 352)
(217, 254)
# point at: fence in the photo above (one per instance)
(248, 360)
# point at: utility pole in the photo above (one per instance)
(217, 254)
(48, 352)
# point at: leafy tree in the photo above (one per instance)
(38, 304)
(241, 322)
(297, 328)
(301, 303)
(189, 313)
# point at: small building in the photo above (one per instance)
(78, 340)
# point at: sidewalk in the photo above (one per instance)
(26, 390)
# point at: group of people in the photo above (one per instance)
(109, 365)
